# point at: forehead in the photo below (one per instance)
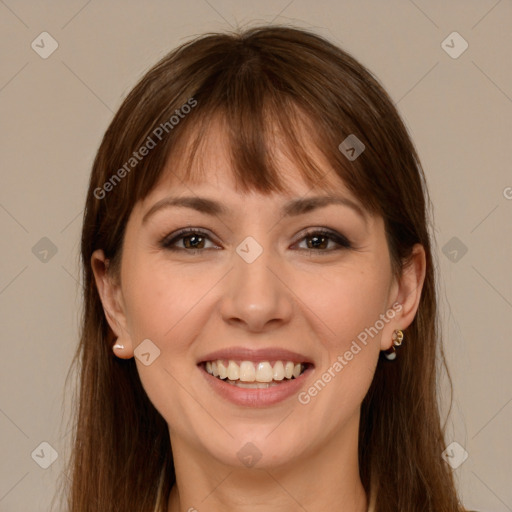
(206, 160)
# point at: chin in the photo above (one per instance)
(260, 450)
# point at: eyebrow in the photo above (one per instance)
(292, 208)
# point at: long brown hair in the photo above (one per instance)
(255, 80)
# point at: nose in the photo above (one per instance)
(257, 296)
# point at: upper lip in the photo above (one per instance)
(263, 354)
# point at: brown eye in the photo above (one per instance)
(320, 240)
(193, 240)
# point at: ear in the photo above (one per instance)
(406, 293)
(113, 306)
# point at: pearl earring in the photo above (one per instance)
(398, 337)
(118, 346)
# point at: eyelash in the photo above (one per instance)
(168, 241)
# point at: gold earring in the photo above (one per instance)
(398, 337)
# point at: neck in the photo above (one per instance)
(266, 492)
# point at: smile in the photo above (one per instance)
(262, 372)
(255, 384)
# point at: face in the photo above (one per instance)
(254, 285)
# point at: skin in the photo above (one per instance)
(316, 304)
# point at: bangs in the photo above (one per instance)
(252, 94)
(257, 136)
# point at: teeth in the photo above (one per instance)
(252, 385)
(233, 371)
(278, 371)
(258, 373)
(264, 372)
(223, 372)
(247, 372)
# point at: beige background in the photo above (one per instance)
(54, 112)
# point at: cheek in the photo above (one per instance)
(349, 306)
(161, 306)
(157, 301)
(350, 303)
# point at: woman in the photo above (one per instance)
(255, 245)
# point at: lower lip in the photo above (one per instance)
(257, 397)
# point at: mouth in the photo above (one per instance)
(255, 374)
(255, 378)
